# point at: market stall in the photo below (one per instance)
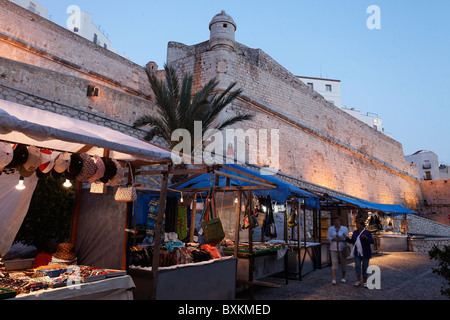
(248, 217)
(379, 219)
(34, 144)
(191, 223)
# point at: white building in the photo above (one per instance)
(371, 119)
(428, 164)
(33, 6)
(444, 171)
(330, 89)
(80, 22)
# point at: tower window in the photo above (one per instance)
(225, 25)
(328, 87)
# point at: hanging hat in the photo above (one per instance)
(89, 168)
(6, 155)
(110, 170)
(65, 251)
(27, 169)
(20, 156)
(100, 169)
(46, 159)
(76, 164)
(62, 163)
(117, 179)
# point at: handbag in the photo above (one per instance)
(212, 228)
(127, 194)
(98, 187)
(352, 253)
(346, 251)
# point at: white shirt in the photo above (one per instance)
(342, 234)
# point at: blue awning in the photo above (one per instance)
(386, 208)
(280, 195)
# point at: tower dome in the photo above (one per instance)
(222, 32)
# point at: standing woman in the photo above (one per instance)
(337, 236)
(362, 239)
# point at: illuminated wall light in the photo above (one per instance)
(92, 91)
(21, 185)
(182, 200)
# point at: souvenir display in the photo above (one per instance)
(51, 277)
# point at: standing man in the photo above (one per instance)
(337, 236)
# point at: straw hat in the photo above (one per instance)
(65, 251)
(99, 173)
(89, 168)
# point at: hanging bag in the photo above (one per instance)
(98, 187)
(212, 228)
(127, 194)
(352, 253)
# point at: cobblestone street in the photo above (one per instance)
(404, 276)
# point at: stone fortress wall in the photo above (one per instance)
(320, 143)
(46, 66)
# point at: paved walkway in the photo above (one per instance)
(404, 276)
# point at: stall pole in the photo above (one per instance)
(238, 217)
(299, 245)
(250, 247)
(320, 238)
(128, 222)
(193, 216)
(76, 213)
(159, 226)
(286, 264)
(304, 221)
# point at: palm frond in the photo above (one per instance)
(233, 120)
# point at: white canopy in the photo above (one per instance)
(31, 126)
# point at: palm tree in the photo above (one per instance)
(178, 108)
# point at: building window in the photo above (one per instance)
(32, 7)
(328, 88)
(105, 46)
(427, 175)
(75, 29)
(95, 38)
(311, 85)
